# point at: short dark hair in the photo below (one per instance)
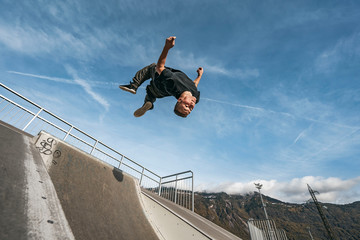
(177, 112)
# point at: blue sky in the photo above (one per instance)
(280, 94)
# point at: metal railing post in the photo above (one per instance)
(121, 160)
(35, 116)
(192, 190)
(175, 198)
(160, 184)
(94, 147)
(142, 174)
(67, 134)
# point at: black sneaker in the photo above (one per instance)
(141, 111)
(129, 88)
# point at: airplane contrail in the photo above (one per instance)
(86, 85)
(282, 113)
(63, 80)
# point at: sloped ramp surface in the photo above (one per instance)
(52, 190)
(99, 201)
(177, 223)
(29, 207)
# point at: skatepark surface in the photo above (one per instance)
(52, 190)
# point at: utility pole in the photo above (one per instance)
(322, 215)
(270, 230)
(259, 186)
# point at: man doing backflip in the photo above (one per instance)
(166, 82)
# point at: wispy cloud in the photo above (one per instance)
(293, 147)
(66, 81)
(234, 104)
(55, 79)
(295, 190)
(299, 136)
(328, 60)
(61, 43)
(99, 43)
(331, 145)
(189, 62)
(37, 41)
(285, 114)
(86, 86)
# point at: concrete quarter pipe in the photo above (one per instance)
(69, 196)
(29, 207)
(99, 201)
(52, 190)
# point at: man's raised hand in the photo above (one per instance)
(200, 71)
(170, 42)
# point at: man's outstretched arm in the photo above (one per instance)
(169, 43)
(200, 72)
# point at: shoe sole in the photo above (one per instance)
(141, 111)
(128, 89)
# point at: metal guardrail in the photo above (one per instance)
(265, 230)
(32, 118)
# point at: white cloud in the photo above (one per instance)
(235, 104)
(86, 86)
(64, 80)
(302, 134)
(333, 190)
(59, 44)
(26, 40)
(315, 132)
(188, 61)
(114, 45)
(328, 60)
(55, 79)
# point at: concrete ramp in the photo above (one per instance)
(99, 201)
(176, 223)
(29, 207)
(52, 190)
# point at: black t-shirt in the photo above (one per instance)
(172, 82)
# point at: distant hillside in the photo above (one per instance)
(232, 212)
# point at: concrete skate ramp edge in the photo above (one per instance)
(99, 201)
(29, 206)
(102, 202)
(177, 223)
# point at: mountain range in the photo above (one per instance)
(298, 220)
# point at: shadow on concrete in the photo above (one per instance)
(118, 174)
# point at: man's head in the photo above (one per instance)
(185, 104)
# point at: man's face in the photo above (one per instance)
(187, 104)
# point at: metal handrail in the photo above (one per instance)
(178, 179)
(173, 175)
(94, 147)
